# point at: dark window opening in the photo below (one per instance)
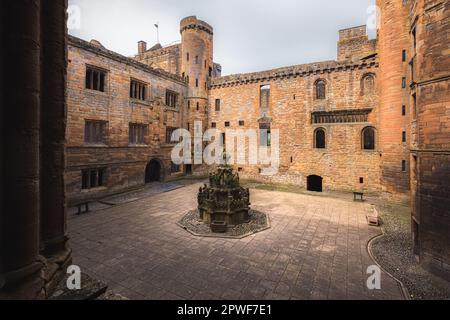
(138, 90)
(414, 39)
(213, 125)
(198, 106)
(93, 178)
(196, 83)
(187, 56)
(319, 139)
(414, 96)
(403, 82)
(171, 99)
(403, 166)
(227, 123)
(320, 90)
(210, 71)
(217, 105)
(361, 180)
(404, 136)
(224, 139)
(95, 79)
(403, 55)
(137, 133)
(403, 110)
(95, 131)
(369, 139)
(241, 123)
(169, 132)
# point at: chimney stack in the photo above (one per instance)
(142, 47)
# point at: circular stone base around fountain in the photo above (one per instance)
(259, 221)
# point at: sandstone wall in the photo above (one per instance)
(292, 102)
(125, 164)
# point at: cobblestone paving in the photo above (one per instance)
(316, 249)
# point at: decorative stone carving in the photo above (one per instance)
(224, 200)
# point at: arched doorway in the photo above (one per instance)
(315, 183)
(153, 171)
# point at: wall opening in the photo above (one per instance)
(153, 172)
(315, 183)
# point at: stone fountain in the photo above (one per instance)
(224, 203)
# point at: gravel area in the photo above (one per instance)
(394, 253)
(258, 222)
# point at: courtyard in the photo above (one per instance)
(316, 248)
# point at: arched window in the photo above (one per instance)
(321, 90)
(368, 138)
(319, 139)
(368, 84)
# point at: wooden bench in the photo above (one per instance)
(358, 196)
(80, 206)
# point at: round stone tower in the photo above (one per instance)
(196, 66)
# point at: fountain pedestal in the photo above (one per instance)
(224, 203)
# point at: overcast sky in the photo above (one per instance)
(249, 35)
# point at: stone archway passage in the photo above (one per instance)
(315, 183)
(153, 172)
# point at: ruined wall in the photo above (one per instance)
(394, 94)
(125, 164)
(292, 103)
(167, 58)
(430, 75)
(354, 44)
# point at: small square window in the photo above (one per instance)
(227, 123)
(213, 125)
(241, 123)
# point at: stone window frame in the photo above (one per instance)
(101, 70)
(101, 178)
(139, 129)
(169, 132)
(172, 99)
(217, 105)
(316, 131)
(375, 139)
(88, 137)
(325, 90)
(143, 96)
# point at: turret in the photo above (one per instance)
(197, 66)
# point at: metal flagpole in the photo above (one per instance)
(157, 31)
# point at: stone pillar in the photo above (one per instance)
(53, 117)
(19, 213)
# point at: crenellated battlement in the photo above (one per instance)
(193, 23)
(301, 70)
